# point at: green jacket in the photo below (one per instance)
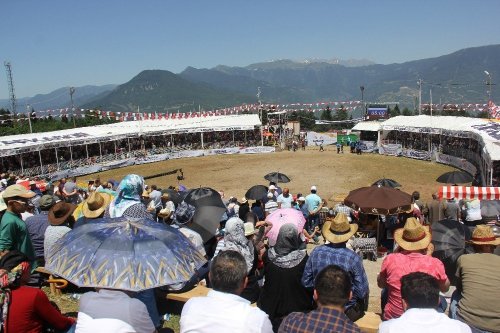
(14, 236)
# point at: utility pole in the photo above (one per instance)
(362, 88)
(261, 118)
(28, 111)
(419, 82)
(71, 92)
(10, 81)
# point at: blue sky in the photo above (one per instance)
(52, 44)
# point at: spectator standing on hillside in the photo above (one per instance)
(285, 199)
(314, 205)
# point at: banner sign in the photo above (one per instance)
(492, 129)
(393, 149)
(456, 162)
(417, 154)
(367, 146)
(315, 139)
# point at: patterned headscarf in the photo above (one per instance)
(288, 251)
(11, 278)
(234, 239)
(129, 193)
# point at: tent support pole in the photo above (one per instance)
(57, 159)
(71, 154)
(87, 150)
(100, 150)
(41, 165)
(202, 144)
(22, 167)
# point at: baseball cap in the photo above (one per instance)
(314, 188)
(301, 199)
(272, 187)
(17, 191)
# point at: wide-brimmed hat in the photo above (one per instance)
(249, 229)
(17, 191)
(3, 206)
(414, 236)
(243, 200)
(96, 204)
(484, 235)
(338, 229)
(60, 212)
(46, 201)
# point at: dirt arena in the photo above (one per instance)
(334, 174)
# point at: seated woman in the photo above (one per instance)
(25, 309)
(283, 292)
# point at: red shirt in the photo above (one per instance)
(30, 309)
(397, 265)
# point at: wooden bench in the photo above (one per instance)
(368, 323)
(55, 284)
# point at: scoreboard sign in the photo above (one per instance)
(375, 112)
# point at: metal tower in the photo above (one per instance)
(8, 69)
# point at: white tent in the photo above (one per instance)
(14, 144)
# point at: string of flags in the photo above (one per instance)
(245, 108)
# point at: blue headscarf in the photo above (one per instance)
(129, 193)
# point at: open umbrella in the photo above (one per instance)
(449, 238)
(454, 177)
(387, 183)
(124, 253)
(378, 200)
(209, 210)
(277, 177)
(282, 216)
(256, 192)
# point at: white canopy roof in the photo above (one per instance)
(371, 126)
(13, 144)
(483, 130)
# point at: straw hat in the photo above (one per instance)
(338, 230)
(96, 204)
(60, 212)
(17, 191)
(483, 235)
(414, 236)
(249, 229)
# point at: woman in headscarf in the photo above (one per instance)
(25, 309)
(284, 264)
(235, 239)
(128, 201)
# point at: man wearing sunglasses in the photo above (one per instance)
(13, 232)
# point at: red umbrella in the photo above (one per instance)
(379, 200)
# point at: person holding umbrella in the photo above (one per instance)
(414, 254)
(284, 265)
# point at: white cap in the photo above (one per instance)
(301, 199)
(313, 188)
(272, 187)
(270, 195)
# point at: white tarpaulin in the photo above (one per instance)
(315, 139)
(11, 145)
(370, 126)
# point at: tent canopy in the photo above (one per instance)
(14, 144)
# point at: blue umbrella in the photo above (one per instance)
(124, 253)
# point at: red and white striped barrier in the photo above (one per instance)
(469, 192)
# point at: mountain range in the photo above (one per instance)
(457, 78)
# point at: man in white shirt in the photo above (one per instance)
(420, 294)
(285, 199)
(271, 204)
(223, 310)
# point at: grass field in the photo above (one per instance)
(334, 174)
